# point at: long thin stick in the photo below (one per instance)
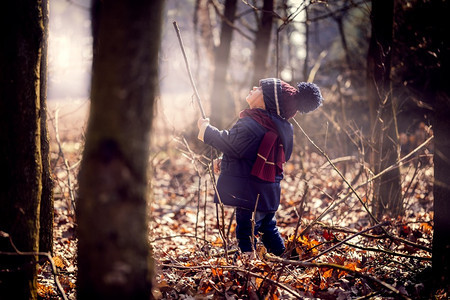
(189, 70)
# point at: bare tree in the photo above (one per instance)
(23, 154)
(220, 99)
(113, 252)
(387, 192)
(262, 41)
(47, 203)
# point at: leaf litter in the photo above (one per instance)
(189, 252)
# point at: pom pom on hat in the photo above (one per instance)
(288, 100)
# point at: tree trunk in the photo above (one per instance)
(20, 145)
(387, 189)
(46, 209)
(114, 257)
(441, 236)
(262, 42)
(221, 101)
(435, 17)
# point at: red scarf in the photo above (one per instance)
(270, 158)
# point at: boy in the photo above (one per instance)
(254, 152)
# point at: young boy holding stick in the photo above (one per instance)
(254, 152)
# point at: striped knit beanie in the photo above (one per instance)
(284, 100)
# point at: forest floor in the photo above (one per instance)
(336, 251)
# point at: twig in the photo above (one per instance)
(388, 252)
(235, 268)
(229, 22)
(198, 205)
(339, 172)
(347, 239)
(276, 259)
(231, 222)
(204, 210)
(199, 102)
(45, 254)
(301, 210)
(175, 236)
(221, 229)
(65, 161)
(412, 244)
(253, 220)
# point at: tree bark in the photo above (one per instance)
(387, 189)
(435, 17)
(47, 203)
(441, 191)
(114, 257)
(22, 32)
(221, 100)
(262, 42)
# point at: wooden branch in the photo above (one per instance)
(347, 239)
(229, 22)
(47, 255)
(387, 252)
(339, 173)
(386, 285)
(253, 220)
(238, 269)
(399, 239)
(55, 125)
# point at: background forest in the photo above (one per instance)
(106, 192)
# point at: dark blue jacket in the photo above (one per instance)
(239, 146)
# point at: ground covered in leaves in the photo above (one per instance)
(335, 250)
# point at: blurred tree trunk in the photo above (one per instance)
(435, 17)
(114, 257)
(204, 29)
(46, 209)
(262, 42)
(21, 159)
(441, 191)
(307, 41)
(387, 189)
(221, 100)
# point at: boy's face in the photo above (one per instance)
(255, 98)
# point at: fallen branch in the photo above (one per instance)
(347, 239)
(386, 285)
(387, 252)
(382, 236)
(237, 269)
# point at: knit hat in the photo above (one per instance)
(285, 100)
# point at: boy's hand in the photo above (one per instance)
(202, 121)
(202, 124)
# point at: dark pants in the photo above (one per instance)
(265, 224)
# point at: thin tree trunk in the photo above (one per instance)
(114, 257)
(262, 42)
(441, 191)
(46, 209)
(436, 16)
(221, 101)
(307, 40)
(22, 34)
(387, 189)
